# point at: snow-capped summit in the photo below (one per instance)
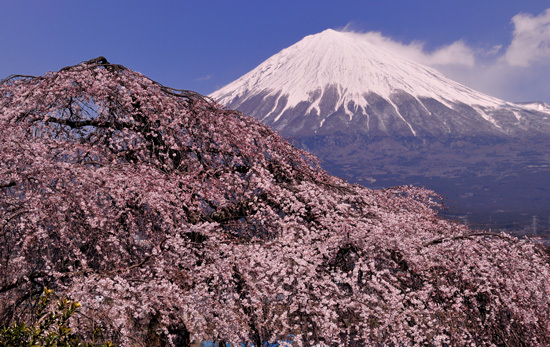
(339, 81)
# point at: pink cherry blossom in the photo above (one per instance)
(171, 219)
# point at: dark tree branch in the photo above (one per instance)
(8, 184)
(12, 77)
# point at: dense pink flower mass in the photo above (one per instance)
(171, 219)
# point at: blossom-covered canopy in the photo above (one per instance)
(171, 219)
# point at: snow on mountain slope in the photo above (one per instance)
(536, 106)
(338, 81)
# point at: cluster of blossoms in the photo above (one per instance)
(171, 219)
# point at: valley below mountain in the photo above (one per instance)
(485, 183)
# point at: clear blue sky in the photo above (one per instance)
(202, 45)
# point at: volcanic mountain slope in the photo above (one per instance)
(337, 81)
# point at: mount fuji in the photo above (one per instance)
(379, 119)
(339, 82)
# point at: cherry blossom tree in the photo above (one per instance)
(171, 219)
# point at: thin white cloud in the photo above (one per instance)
(531, 40)
(494, 51)
(204, 78)
(457, 53)
(517, 72)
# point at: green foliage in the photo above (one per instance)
(51, 328)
